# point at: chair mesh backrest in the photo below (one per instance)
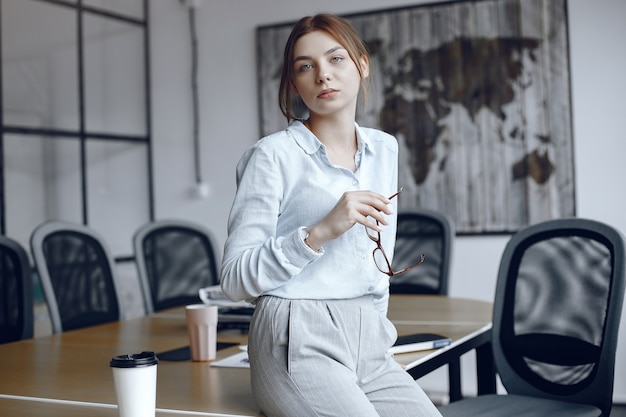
(16, 292)
(430, 233)
(175, 260)
(559, 295)
(81, 285)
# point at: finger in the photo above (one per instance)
(376, 201)
(373, 219)
(378, 214)
(370, 223)
(384, 207)
(367, 203)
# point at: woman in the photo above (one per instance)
(298, 249)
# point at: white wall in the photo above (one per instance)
(229, 124)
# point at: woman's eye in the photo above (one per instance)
(305, 67)
(337, 59)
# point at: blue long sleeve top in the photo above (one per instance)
(286, 182)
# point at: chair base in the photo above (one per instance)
(518, 406)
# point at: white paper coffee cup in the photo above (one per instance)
(135, 378)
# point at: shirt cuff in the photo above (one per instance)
(296, 251)
(303, 233)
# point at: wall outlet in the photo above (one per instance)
(202, 190)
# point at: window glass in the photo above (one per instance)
(114, 77)
(42, 182)
(39, 65)
(117, 183)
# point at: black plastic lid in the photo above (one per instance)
(134, 360)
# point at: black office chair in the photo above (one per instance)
(174, 258)
(556, 318)
(428, 232)
(77, 275)
(16, 292)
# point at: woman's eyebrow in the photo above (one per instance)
(330, 51)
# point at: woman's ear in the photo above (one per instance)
(365, 66)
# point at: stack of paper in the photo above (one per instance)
(419, 341)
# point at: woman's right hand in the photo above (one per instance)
(364, 207)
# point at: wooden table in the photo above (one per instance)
(466, 322)
(67, 374)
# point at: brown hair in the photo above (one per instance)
(335, 26)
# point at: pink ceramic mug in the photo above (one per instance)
(202, 330)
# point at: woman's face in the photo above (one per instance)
(325, 77)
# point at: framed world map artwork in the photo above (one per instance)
(477, 94)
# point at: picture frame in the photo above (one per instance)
(477, 93)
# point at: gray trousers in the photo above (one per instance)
(329, 358)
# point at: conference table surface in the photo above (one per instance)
(68, 374)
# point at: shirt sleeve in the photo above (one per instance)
(255, 259)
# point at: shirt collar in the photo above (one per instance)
(310, 144)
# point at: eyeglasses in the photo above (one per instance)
(380, 257)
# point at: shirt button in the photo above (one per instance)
(363, 256)
(354, 183)
(370, 289)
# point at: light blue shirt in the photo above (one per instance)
(285, 183)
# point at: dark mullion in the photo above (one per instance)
(81, 112)
(2, 190)
(148, 89)
(113, 136)
(74, 134)
(148, 95)
(98, 11)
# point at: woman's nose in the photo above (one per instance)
(324, 77)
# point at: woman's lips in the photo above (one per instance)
(327, 93)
